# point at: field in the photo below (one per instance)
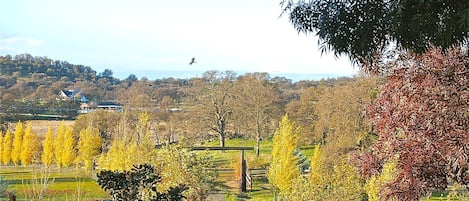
(75, 184)
(37, 183)
(40, 126)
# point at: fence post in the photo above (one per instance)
(242, 185)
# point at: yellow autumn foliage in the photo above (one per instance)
(375, 183)
(68, 152)
(6, 148)
(17, 143)
(283, 168)
(88, 146)
(30, 147)
(47, 156)
(1, 145)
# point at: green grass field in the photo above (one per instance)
(37, 183)
(261, 189)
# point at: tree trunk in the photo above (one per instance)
(258, 145)
(222, 140)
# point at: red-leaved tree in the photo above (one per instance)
(422, 116)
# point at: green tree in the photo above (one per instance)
(17, 143)
(7, 147)
(362, 29)
(139, 183)
(47, 156)
(89, 145)
(180, 166)
(283, 168)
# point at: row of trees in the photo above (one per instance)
(130, 144)
(24, 147)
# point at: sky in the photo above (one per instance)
(144, 37)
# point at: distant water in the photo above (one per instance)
(178, 74)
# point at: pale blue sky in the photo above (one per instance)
(135, 36)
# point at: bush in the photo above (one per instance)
(140, 183)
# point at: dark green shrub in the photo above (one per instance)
(140, 183)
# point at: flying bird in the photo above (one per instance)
(192, 61)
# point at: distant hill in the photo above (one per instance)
(26, 65)
(31, 85)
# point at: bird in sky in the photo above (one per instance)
(192, 61)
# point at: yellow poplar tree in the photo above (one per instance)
(6, 152)
(47, 156)
(89, 145)
(376, 183)
(146, 147)
(59, 144)
(117, 158)
(1, 144)
(69, 152)
(283, 168)
(28, 146)
(17, 143)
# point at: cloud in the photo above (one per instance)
(21, 42)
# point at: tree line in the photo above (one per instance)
(30, 84)
(130, 145)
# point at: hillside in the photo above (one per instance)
(31, 85)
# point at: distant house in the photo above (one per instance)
(108, 106)
(69, 94)
(72, 95)
(87, 107)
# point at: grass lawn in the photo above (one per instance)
(262, 190)
(29, 183)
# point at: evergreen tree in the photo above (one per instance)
(89, 145)
(17, 143)
(47, 156)
(6, 152)
(283, 168)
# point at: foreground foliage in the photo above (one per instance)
(139, 183)
(362, 29)
(421, 115)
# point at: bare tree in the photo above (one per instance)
(211, 103)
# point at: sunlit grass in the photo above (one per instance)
(66, 184)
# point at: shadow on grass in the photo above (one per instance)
(14, 173)
(56, 180)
